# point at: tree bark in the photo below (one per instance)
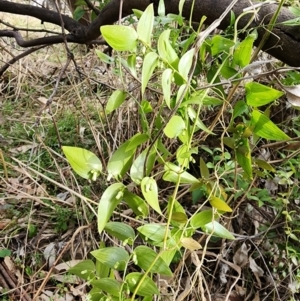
(283, 42)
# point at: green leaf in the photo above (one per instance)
(239, 108)
(145, 25)
(122, 158)
(260, 95)
(108, 285)
(137, 204)
(121, 231)
(114, 257)
(149, 64)
(78, 13)
(204, 170)
(295, 10)
(150, 193)
(165, 49)
(243, 155)
(85, 270)
(242, 53)
(172, 172)
(147, 288)
(137, 167)
(115, 101)
(102, 271)
(217, 229)
(4, 253)
(220, 44)
(219, 204)
(85, 163)
(264, 165)
(146, 256)
(200, 98)
(154, 232)
(136, 141)
(120, 37)
(111, 197)
(131, 64)
(104, 57)
(199, 123)
(166, 80)
(265, 128)
(178, 213)
(174, 127)
(185, 64)
(201, 219)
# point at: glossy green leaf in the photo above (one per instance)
(113, 257)
(137, 204)
(145, 258)
(260, 95)
(181, 92)
(146, 288)
(242, 53)
(111, 197)
(219, 204)
(137, 167)
(121, 231)
(165, 49)
(185, 64)
(145, 25)
(220, 44)
(102, 271)
(243, 155)
(184, 152)
(136, 141)
(131, 64)
(166, 80)
(201, 219)
(122, 158)
(115, 101)
(174, 127)
(217, 229)
(149, 64)
(154, 232)
(239, 108)
(84, 269)
(150, 193)
(171, 175)
(120, 37)
(108, 285)
(85, 163)
(265, 128)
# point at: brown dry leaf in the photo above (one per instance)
(240, 257)
(256, 298)
(4, 222)
(23, 148)
(257, 271)
(293, 94)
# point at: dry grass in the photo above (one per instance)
(44, 205)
